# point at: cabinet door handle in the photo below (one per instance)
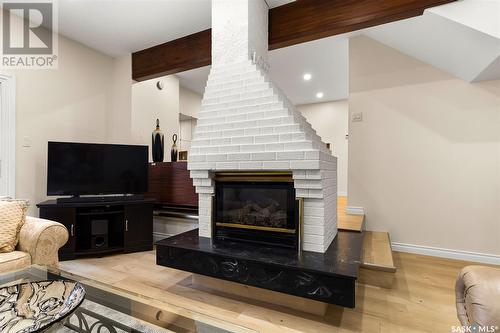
(126, 225)
(72, 230)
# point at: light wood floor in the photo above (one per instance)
(422, 299)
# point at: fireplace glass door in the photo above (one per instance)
(256, 211)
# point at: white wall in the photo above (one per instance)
(88, 98)
(186, 130)
(119, 116)
(330, 120)
(425, 160)
(189, 105)
(65, 104)
(150, 103)
(189, 102)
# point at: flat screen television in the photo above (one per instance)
(94, 169)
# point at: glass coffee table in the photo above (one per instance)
(110, 309)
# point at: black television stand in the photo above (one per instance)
(96, 228)
(104, 198)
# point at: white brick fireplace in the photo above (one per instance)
(247, 124)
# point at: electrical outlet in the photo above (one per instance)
(357, 116)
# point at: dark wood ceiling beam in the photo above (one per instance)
(306, 20)
(176, 56)
(296, 22)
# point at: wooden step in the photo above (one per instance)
(377, 251)
(348, 222)
(377, 266)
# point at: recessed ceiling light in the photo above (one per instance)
(319, 95)
(307, 76)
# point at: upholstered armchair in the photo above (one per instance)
(39, 243)
(478, 296)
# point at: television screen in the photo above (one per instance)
(93, 169)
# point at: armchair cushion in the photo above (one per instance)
(12, 217)
(42, 240)
(14, 260)
(478, 296)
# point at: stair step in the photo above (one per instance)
(348, 222)
(377, 265)
(377, 252)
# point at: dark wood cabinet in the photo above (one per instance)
(67, 217)
(170, 184)
(138, 227)
(99, 228)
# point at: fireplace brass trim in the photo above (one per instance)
(266, 176)
(300, 239)
(254, 227)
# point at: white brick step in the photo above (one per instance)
(263, 110)
(239, 97)
(252, 90)
(234, 117)
(216, 75)
(249, 125)
(236, 91)
(308, 154)
(284, 131)
(221, 122)
(248, 119)
(211, 91)
(240, 68)
(261, 130)
(245, 124)
(276, 105)
(236, 66)
(261, 165)
(233, 145)
(231, 84)
(241, 103)
(269, 139)
(230, 77)
(314, 184)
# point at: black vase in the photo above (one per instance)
(173, 152)
(157, 143)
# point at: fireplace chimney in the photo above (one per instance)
(247, 124)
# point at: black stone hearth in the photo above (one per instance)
(327, 277)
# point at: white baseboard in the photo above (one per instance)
(447, 253)
(159, 236)
(353, 210)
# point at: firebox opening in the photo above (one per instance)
(256, 207)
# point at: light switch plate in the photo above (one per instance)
(357, 116)
(26, 141)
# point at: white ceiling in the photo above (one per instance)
(325, 59)
(118, 27)
(482, 15)
(194, 79)
(461, 38)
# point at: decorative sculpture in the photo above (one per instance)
(173, 152)
(158, 143)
